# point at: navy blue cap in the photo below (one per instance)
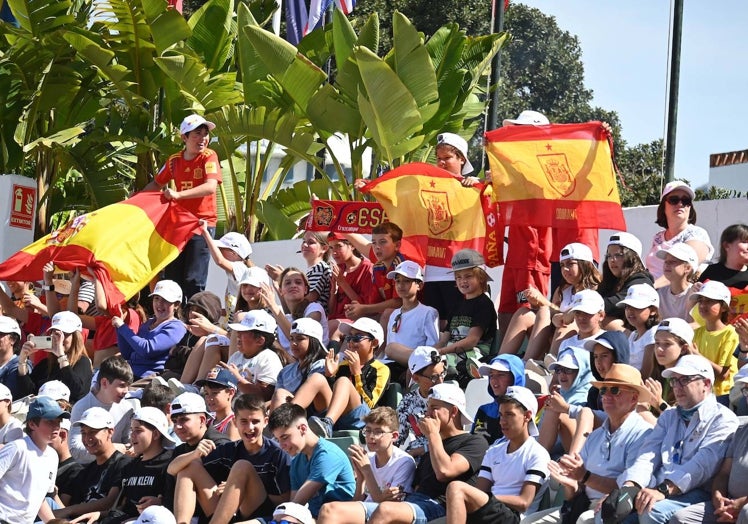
(46, 408)
(223, 378)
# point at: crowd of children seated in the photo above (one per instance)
(337, 393)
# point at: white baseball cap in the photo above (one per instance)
(237, 243)
(254, 276)
(423, 357)
(678, 327)
(525, 397)
(640, 296)
(365, 324)
(297, 511)
(527, 118)
(576, 251)
(188, 403)
(626, 240)
(677, 184)
(54, 389)
(256, 320)
(216, 340)
(587, 301)
(690, 365)
(408, 269)
(308, 327)
(452, 395)
(5, 393)
(681, 251)
(96, 418)
(156, 515)
(168, 290)
(566, 359)
(715, 290)
(9, 325)
(156, 418)
(460, 144)
(67, 322)
(192, 122)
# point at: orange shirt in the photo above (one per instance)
(192, 173)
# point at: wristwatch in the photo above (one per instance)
(48, 288)
(663, 488)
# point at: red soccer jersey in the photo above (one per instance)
(192, 173)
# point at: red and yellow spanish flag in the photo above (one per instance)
(126, 244)
(559, 175)
(438, 215)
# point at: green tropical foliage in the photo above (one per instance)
(94, 92)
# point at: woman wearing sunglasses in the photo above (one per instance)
(678, 216)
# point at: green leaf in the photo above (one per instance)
(411, 61)
(298, 76)
(39, 17)
(196, 83)
(387, 107)
(213, 32)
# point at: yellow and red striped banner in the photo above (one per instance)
(126, 244)
(438, 215)
(559, 175)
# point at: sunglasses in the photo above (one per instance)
(564, 371)
(613, 391)
(397, 322)
(673, 200)
(358, 338)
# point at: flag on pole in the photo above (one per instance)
(126, 244)
(346, 6)
(438, 215)
(558, 175)
(317, 10)
(296, 18)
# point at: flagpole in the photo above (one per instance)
(492, 119)
(673, 86)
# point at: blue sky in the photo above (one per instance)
(625, 53)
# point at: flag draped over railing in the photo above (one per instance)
(438, 215)
(558, 175)
(126, 244)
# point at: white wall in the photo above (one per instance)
(712, 215)
(734, 176)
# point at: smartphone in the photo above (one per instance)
(42, 342)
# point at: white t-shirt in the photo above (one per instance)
(121, 414)
(263, 367)
(398, 471)
(27, 474)
(678, 306)
(313, 307)
(567, 297)
(576, 342)
(692, 232)
(416, 327)
(509, 471)
(13, 430)
(637, 345)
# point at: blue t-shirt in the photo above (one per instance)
(271, 464)
(291, 378)
(328, 466)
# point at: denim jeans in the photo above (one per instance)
(190, 268)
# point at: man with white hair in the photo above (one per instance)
(680, 456)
